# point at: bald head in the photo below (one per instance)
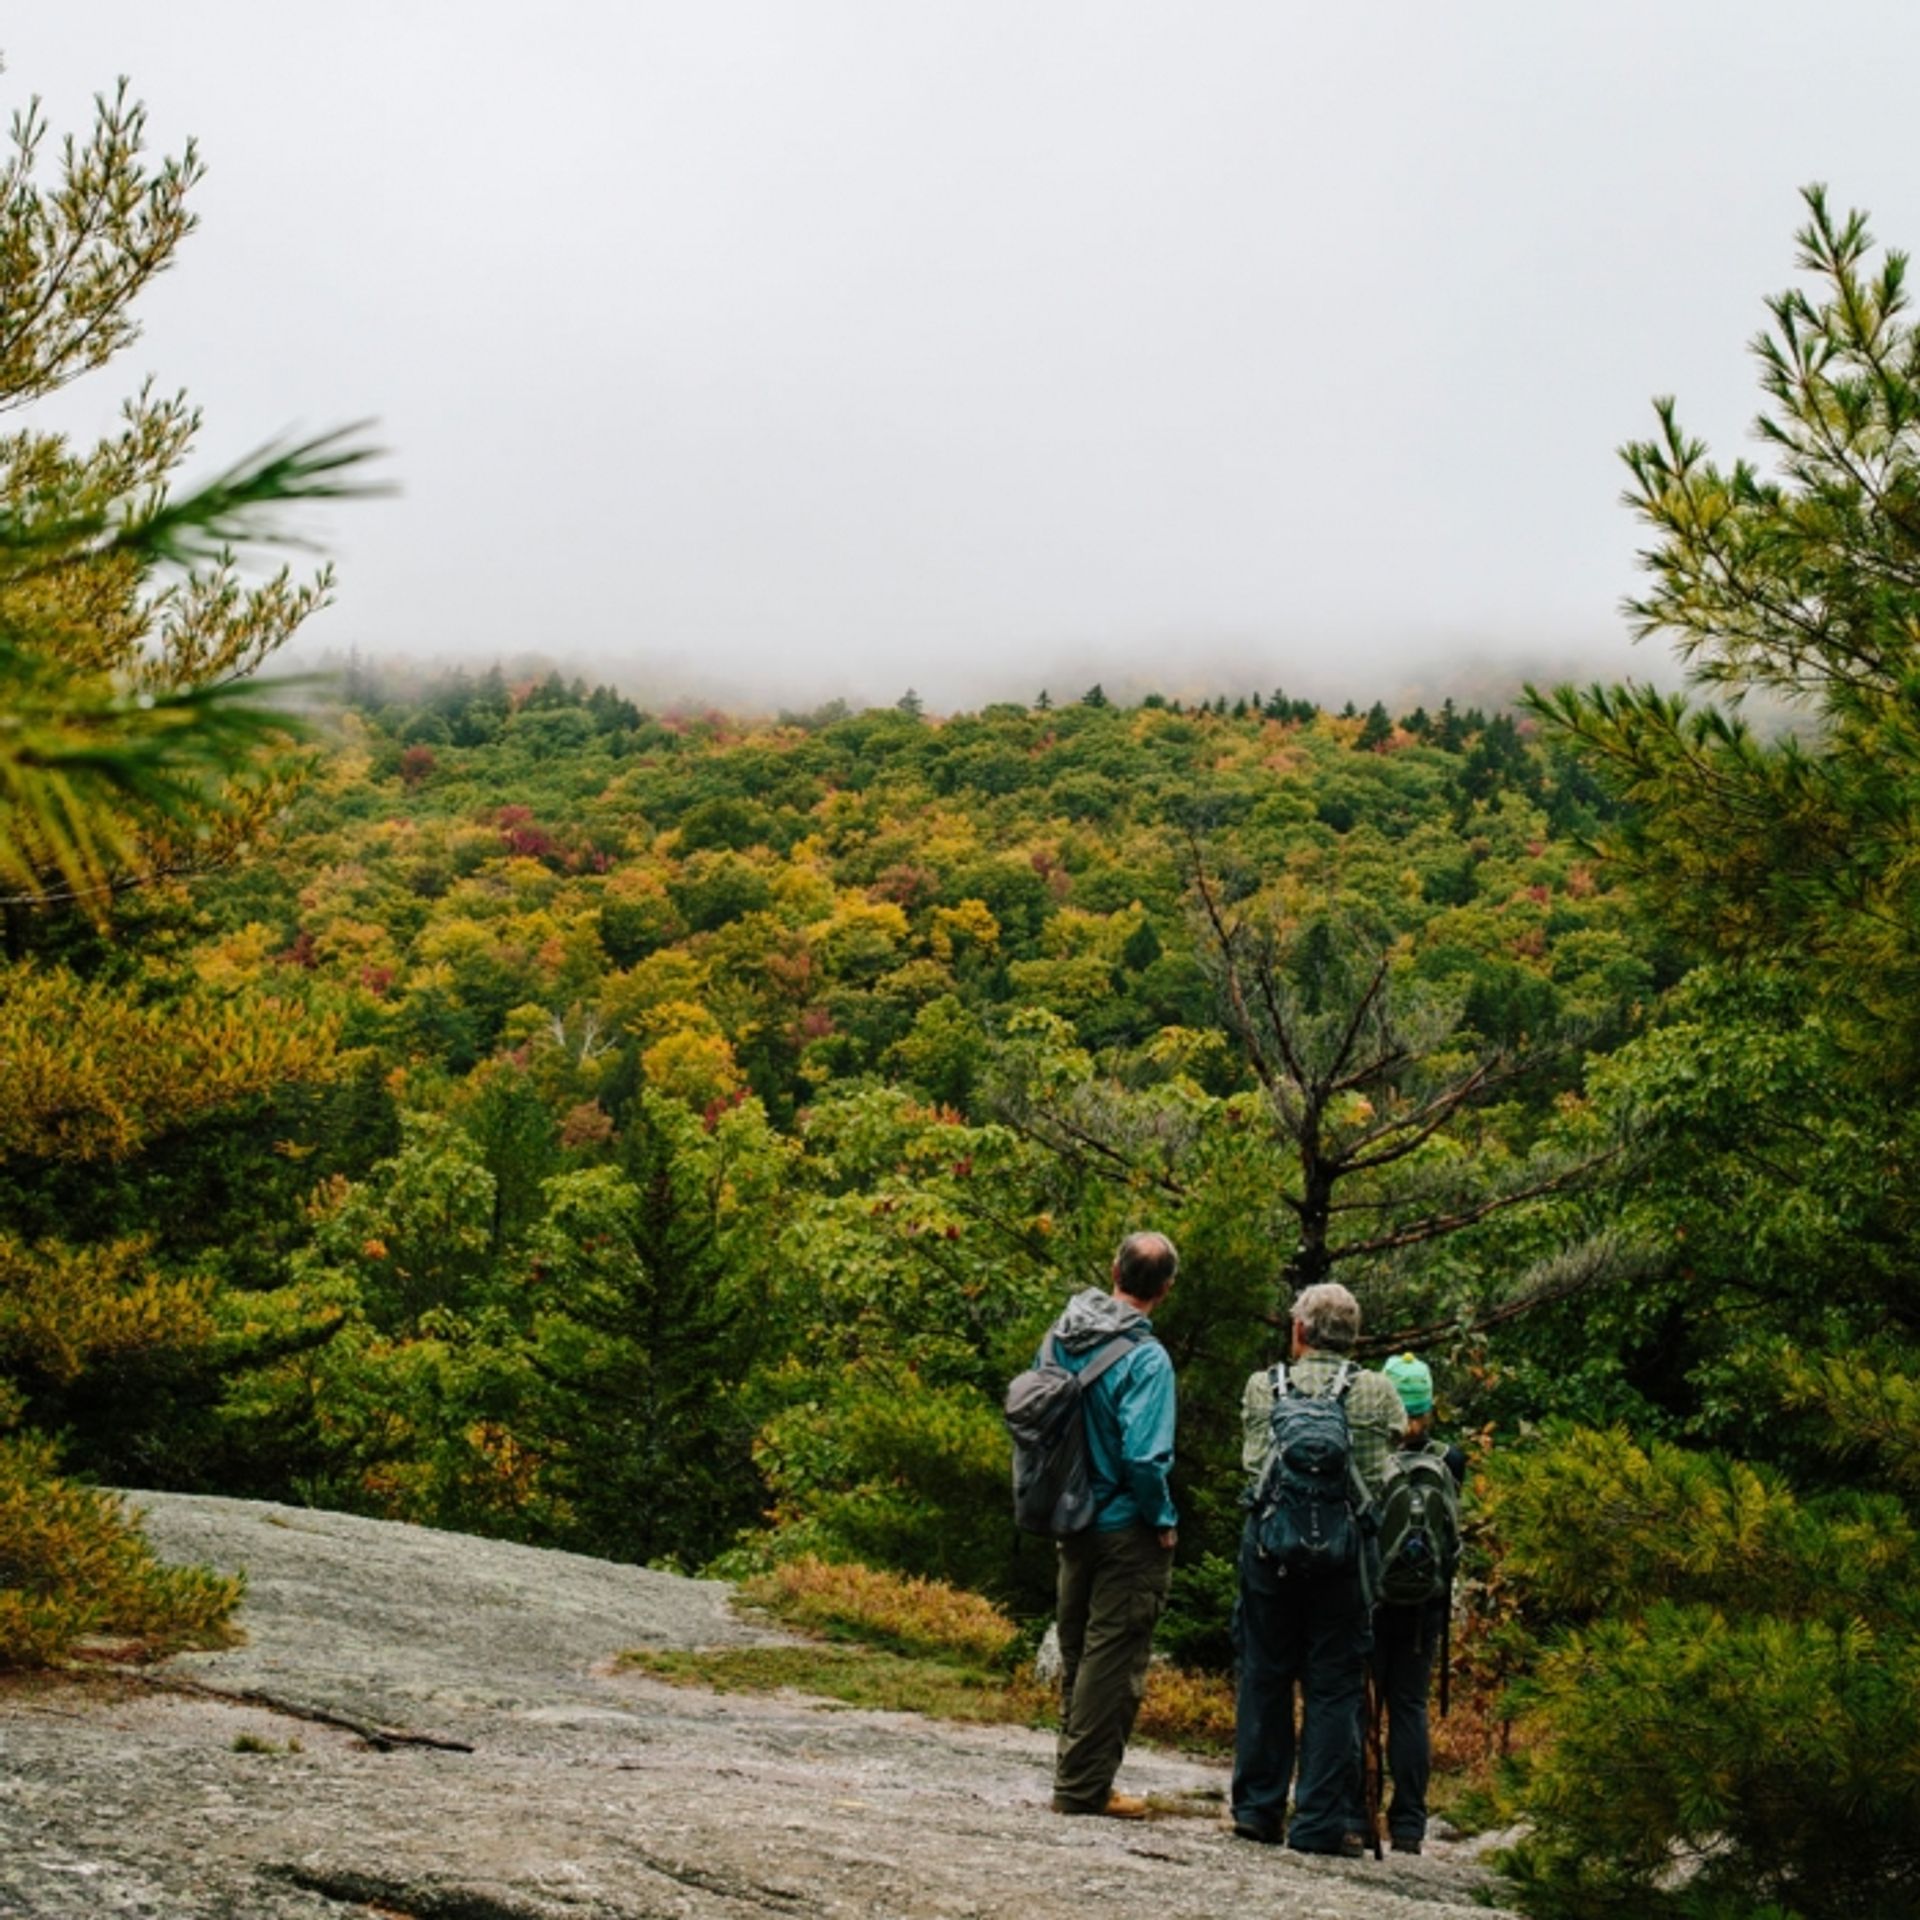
(1144, 1266)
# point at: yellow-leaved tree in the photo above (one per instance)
(133, 746)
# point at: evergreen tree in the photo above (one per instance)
(123, 628)
(1732, 1651)
(1497, 761)
(1799, 588)
(1365, 1069)
(638, 1341)
(515, 1133)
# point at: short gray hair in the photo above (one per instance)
(1330, 1315)
(1144, 1265)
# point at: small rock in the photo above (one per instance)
(1046, 1659)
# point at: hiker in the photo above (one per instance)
(1113, 1575)
(1410, 1621)
(1317, 1433)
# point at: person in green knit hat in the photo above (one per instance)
(1420, 1516)
(1413, 1379)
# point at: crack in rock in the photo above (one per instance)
(406, 1899)
(409, 1900)
(754, 1892)
(380, 1739)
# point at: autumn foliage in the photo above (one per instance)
(663, 1134)
(73, 1563)
(133, 753)
(910, 1615)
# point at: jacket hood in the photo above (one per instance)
(1092, 1319)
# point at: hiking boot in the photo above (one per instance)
(1119, 1806)
(1407, 1845)
(1349, 1846)
(1259, 1835)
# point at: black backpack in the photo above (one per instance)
(1052, 1481)
(1419, 1529)
(1311, 1512)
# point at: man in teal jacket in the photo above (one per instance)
(1113, 1577)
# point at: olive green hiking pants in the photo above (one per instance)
(1112, 1589)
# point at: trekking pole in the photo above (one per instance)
(1371, 1761)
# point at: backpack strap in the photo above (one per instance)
(1359, 1494)
(1117, 1348)
(1282, 1385)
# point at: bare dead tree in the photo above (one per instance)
(1367, 1073)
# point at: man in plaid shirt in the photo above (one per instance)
(1306, 1631)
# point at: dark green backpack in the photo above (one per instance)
(1419, 1514)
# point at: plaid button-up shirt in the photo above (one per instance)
(1375, 1416)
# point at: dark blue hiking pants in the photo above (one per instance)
(1405, 1640)
(1310, 1637)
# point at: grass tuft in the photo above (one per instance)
(870, 1677)
(877, 1609)
(1193, 1711)
(920, 1646)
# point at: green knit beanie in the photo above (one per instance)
(1414, 1379)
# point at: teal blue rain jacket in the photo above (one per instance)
(1129, 1411)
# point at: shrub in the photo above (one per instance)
(1727, 1688)
(1184, 1709)
(895, 1471)
(1196, 1630)
(73, 1562)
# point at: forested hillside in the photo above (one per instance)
(682, 1127)
(488, 1104)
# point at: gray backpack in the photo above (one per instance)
(1052, 1483)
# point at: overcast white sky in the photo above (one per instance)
(832, 346)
